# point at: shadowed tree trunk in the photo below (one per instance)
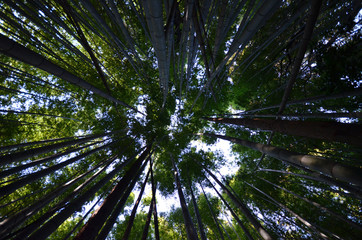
(246, 231)
(134, 210)
(306, 115)
(15, 50)
(326, 166)
(75, 204)
(200, 39)
(263, 233)
(155, 218)
(23, 155)
(84, 42)
(353, 191)
(308, 224)
(148, 219)
(7, 189)
(216, 221)
(330, 131)
(190, 228)
(20, 145)
(99, 217)
(197, 212)
(80, 222)
(42, 160)
(117, 209)
(315, 204)
(307, 35)
(8, 224)
(24, 232)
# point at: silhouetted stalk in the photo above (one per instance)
(350, 133)
(25, 144)
(42, 160)
(134, 210)
(212, 214)
(148, 219)
(305, 115)
(155, 218)
(246, 231)
(197, 212)
(190, 228)
(315, 204)
(7, 189)
(74, 204)
(120, 205)
(29, 211)
(307, 35)
(96, 221)
(305, 222)
(353, 191)
(337, 170)
(86, 214)
(248, 214)
(357, 92)
(23, 155)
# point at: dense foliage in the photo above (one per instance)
(108, 106)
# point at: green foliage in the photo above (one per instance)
(37, 106)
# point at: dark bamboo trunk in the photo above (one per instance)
(23, 155)
(201, 41)
(15, 50)
(350, 133)
(198, 216)
(148, 219)
(134, 210)
(13, 221)
(190, 228)
(246, 231)
(99, 217)
(28, 229)
(80, 222)
(119, 207)
(216, 221)
(67, 8)
(306, 115)
(17, 169)
(75, 204)
(20, 145)
(263, 233)
(155, 218)
(7, 189)
(337, 170)
(308, 224)
(307, 36)
(315, 204)
(353, 191)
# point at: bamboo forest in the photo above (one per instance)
(180, 119)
